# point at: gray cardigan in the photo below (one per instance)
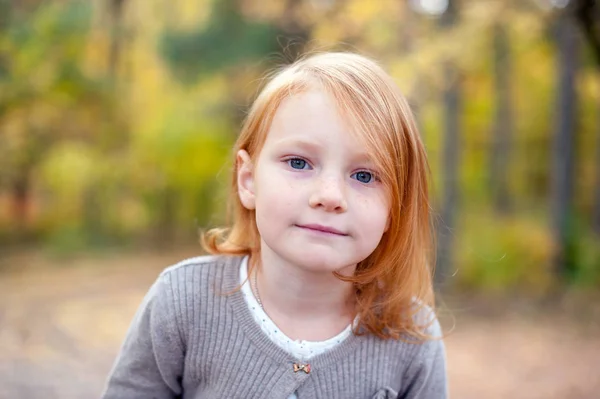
(194, 337)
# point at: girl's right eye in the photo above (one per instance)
(297, 163)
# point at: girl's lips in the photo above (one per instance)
(322, 229)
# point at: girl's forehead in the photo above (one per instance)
(312, 115)
(306, 106)
(312, 121)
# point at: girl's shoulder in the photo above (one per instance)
(203, 264)
(200, 275)
(183, 289)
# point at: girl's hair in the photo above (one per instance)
(394, 283)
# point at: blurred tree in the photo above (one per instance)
(226, 42)
(115, 10)
(293, 29)
(596, 204)
(232, 44)
(587, 13)
(45, 97)
(588, 16)
(563, 157)
(408, 33)
(503, 121)
(451, 152)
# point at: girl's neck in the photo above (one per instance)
(303, 304)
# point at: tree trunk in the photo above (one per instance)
(563, 145)
(296, 34)
(407, 32)
(115, 9)
(166, 217)
(503, 124)
(588, 16)
(596, 211)
(451, 158)
(21, 201)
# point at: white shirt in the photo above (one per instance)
(300, 349)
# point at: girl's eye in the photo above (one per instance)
(364, 176)
(297, 163)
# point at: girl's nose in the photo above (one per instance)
(329, 195)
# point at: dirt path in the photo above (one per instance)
(61, 328)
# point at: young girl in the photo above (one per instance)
(321, 288)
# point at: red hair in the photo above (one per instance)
(394, 283)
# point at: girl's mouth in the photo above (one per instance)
(322, 229)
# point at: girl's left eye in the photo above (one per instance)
(363, 176)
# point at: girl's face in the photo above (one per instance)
(318, 202)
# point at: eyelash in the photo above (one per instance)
(374, 176)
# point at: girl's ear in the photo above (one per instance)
(245, 179)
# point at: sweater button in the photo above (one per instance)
(302, 367)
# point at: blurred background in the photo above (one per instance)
(116, 123)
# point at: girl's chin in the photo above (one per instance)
(323, 265)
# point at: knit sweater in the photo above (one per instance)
(194, 337)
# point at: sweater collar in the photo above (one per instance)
(254, 333)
